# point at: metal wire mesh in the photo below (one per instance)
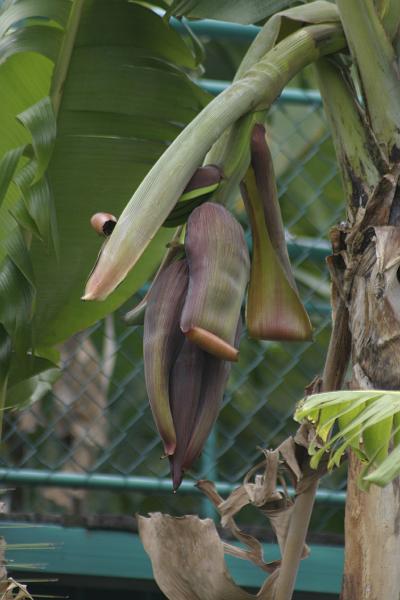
(98, 419)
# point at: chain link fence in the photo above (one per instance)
(97, 422)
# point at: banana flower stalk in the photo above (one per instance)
(191, 332)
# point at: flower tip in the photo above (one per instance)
(91, 295)
(176, 482)
(169, 448)
(177, 476)
(95, 289)
(212, 343)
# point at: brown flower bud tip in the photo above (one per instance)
(103, 223)
(212, 343)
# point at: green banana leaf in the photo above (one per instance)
(366, 420)
(77, 138)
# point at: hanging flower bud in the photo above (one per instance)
(191, 330)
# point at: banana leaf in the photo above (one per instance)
(91, 94)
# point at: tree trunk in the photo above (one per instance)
(372, 559)
(372, 524)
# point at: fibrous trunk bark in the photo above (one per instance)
(372, 523)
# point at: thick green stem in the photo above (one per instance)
(312, 14)
(360, 161)
(232, 149)
(64, 57)
(376, 61)
(158, 192)
(232, 154)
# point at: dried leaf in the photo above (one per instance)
(188, 558)
(263, 494)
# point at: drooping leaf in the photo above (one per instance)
(39, 120)
(12, 14)
(8, 166)
(388, 470)
(44, 39)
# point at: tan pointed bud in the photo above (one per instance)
(162, 341)
(219, 266)
(274, 310)
(103, 223)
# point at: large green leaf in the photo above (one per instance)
(125, 97)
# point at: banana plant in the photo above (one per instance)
(106, 119)
(364, 263)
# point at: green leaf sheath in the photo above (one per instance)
(375, 58)
(356, 147)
